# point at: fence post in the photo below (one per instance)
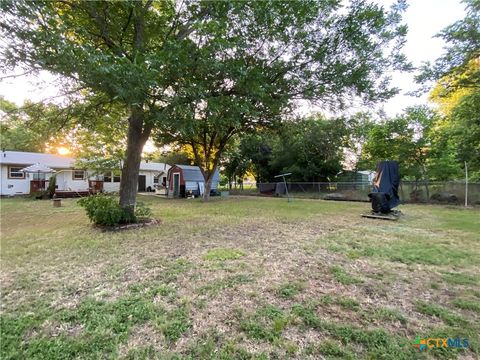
(466, 184)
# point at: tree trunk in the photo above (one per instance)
(208, 185)
(136, 139)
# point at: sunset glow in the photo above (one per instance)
(149, 147)
(63, 150)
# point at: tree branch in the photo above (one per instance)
(18, 75)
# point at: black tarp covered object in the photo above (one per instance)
(385, 187)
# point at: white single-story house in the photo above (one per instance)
(69, 178)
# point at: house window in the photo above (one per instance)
(78, 174)
(155, 179)
(116, 177)
(107, 177)
(15, 173)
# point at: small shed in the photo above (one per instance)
(187, 180)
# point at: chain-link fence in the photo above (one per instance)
(451, 192)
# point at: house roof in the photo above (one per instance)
(30, 158)
(193, 173)
(154, 166)
(60, 162)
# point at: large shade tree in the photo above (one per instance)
(255, 60)
(198, 73)
(114, 50)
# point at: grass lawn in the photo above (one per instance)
(239, 278)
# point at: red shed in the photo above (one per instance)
(186, 180)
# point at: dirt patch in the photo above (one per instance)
(137, 225)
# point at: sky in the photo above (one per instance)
(425, 18)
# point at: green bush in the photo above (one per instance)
(104, 210)
(51, 186)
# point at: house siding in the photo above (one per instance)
(13, 186)
(65, 181)
(64, 176)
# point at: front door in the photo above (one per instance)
(142, 183)
(176, 184)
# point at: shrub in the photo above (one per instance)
(104, 210)
(51, 186)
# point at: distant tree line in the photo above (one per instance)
(428, 145)
(232, 108)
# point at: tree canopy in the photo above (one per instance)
(457, 89)
(197, 73)
(248, 68)
(455, 67)
(33, 127)
(405, 138)
(310, 148)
